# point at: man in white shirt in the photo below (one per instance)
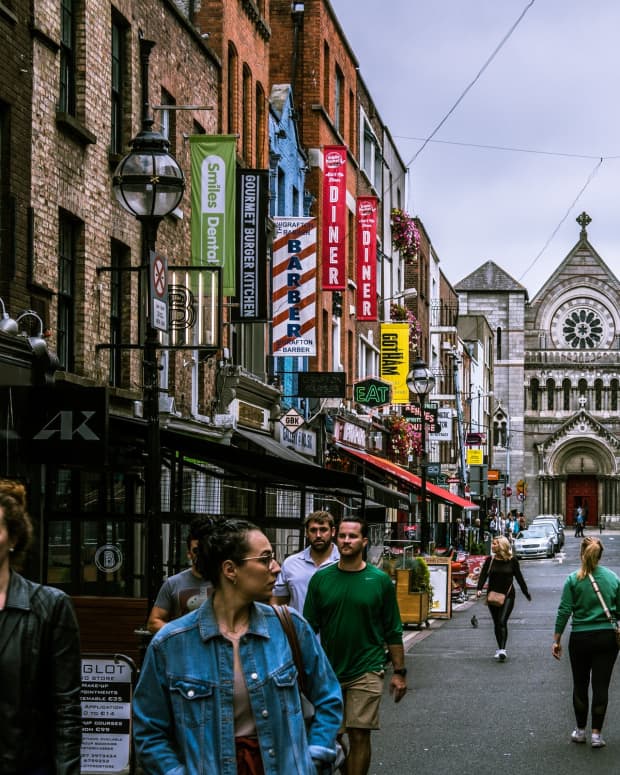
(297, 570)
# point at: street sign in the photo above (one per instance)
(158, 284)
(292, 420)
(520, 496)
(507, 492)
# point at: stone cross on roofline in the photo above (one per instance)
(583, 220)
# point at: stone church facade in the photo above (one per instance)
(556, 424)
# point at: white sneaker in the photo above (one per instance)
(502, 655)
(597, 741)
(578, 735)
(497, 653)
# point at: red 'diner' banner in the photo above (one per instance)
(334, 217)
(367, 258)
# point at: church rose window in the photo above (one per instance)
(583, 329)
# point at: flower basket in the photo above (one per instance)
(405, 235)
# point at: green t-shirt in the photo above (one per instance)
(356, 614)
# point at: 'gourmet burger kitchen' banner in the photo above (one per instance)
(252, 203)
(213, 167)
(334, 213)
(367, 258)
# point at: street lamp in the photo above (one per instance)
(420, 380)
(149, 184)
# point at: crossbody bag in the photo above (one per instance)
(601, 599)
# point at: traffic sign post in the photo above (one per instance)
(158, 286)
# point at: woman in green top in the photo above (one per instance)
(592, 645)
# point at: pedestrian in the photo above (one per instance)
(522, 521)
(297, 570)
(592, 647)
(493, 526)
(502, 569)
(40, 669)
(184, 591)
(579, 521)
(352, 605)
(218, 691)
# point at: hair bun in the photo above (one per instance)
(15, 490)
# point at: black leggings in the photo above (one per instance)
(500, 615)
(592, 656)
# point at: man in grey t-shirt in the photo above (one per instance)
(184, 591)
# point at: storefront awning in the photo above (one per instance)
(413, 481)
(276, 466)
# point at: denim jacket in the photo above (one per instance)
(183, 704)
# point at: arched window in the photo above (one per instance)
(550, 393)
(534, 386)
(582, 390)
(500, 430)
(231, 94)
(598, 395)
(261, 132)
(566, 395)
(498, 342)
(613, 395)
(246, 114)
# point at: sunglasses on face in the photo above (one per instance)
(266, 559)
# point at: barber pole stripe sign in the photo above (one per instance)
(334, 213)
(294, 287)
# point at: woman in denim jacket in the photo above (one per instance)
(218, 692)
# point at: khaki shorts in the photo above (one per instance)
(362, 698)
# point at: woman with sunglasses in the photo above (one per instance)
(218, 690)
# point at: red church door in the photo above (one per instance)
(582, 491)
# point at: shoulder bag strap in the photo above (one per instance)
(601, 599)
(284, 615)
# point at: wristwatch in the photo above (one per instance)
(400, 671)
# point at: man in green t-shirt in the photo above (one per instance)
(352, 605)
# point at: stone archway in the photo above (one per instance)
(575, 471)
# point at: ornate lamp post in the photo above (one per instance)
(420, 380)
(149, 184)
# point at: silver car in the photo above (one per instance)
(536, 541)
(557, 526)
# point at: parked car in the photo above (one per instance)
(557, 524)
(536, 541)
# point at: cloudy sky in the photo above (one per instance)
(526, 140)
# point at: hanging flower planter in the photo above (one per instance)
(404, 439)
(405, 235)
(401, 314)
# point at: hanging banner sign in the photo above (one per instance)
(252, 196)
(367, 258)
(213, 166)
(294, 287)
(394, 360)
(334, 214)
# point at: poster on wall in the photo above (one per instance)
(294, 287)
(334, 214)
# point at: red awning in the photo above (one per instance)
(433, 491)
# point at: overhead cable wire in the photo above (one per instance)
(513, 149)
(473, 82)
(557, 228)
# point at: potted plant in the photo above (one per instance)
(414, 591)
(405, 235)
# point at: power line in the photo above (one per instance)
(512, 149)
(557, 228)
(473, 82)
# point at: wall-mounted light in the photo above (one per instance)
(7, 324)
(37, 341)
